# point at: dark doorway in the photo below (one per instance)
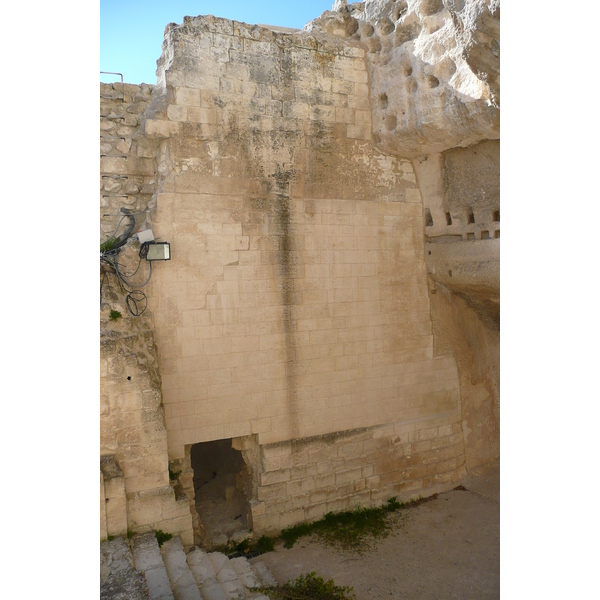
(220, 476)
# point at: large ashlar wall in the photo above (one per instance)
(305, 313)
(296, 303)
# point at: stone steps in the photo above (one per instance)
(119, 579)
(139, 570)
(148, 559)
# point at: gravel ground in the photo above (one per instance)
(446, 548)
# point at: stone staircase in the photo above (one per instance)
(139, 570)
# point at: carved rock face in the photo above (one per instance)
(437, 63)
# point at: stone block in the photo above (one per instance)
(362, 103)
(202, 115)
(314, 512)
(362, 132)
(295, 110)
(161, 129)
(201, 81)
(373, 482)
(266, 523)
(177, 113)
(344, 115)
(362, 118)
(338, 504)
(290, 518)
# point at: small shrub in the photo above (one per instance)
(108, 245)
(162, 537)
(129, 534)
(311, 587)
(393, 504)
(173, 475)
(114, 315)
(265, 544)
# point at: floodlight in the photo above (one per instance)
(158, 251)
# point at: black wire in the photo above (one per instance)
(135, 300)
(136, 297)
(123, 276)
(132, 274)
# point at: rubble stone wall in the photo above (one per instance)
(136, 493)
(133, 438)
(127, 159)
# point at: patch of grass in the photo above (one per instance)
(162, 537)
(114, 315)
(265, 544)
(291, 534)
(110, 538)
(129, 534)
(393, 505)
(353, 530)
(311, 587)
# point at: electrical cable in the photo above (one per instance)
(132, 274)
(124, 277)
(135, 299)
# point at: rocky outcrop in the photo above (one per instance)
(434, 69)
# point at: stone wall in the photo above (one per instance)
(133, 438)
(302, 480)
(296, 303)
(127, 159)
(461, 199)
(136, 493)
(332, 299)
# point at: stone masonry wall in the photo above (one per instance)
(461, 199)
(317, 308)
(302, 480)
(136, 493)
(295, 304)
(127, 159)
(133, 439)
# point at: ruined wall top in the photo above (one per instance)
(434, 65)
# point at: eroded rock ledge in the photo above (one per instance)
(434, 69)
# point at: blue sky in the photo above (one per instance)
(131, 31)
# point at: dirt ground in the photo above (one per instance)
(446, 548)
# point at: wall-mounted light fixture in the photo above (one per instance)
(158, 251)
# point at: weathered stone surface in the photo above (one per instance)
(434, 68)
(331, 197)
(180, 576)
(118, 578)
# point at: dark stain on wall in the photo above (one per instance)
(287, 262)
